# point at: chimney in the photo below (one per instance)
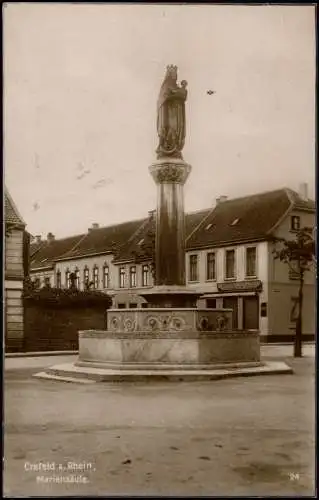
(38, 238)
(221, 199)
(50, 237)
(303, 191)
(94, 226)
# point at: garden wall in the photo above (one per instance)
(52, 317)
(55, 329)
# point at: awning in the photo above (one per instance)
(240, 286)
(230, 294)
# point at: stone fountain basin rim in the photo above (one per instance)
(169, 309)
(167, 334)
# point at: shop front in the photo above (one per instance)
(243, 298)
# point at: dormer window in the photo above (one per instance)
(295, 223)
(235, 221)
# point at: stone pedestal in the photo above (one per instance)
(172, 337)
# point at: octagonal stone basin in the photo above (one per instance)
(153, 338)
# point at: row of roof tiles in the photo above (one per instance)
(235, 220)
(12, 215)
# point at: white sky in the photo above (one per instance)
(81, 85)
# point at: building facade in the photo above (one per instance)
(16, 268)
(229, 260)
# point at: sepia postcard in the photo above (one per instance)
(159, 249)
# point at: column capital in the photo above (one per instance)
(169, 170)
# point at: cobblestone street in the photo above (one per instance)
(245, 436)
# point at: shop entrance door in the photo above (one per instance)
(232, 303)
(251, 313)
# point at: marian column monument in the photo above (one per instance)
(171, 338)
(170, 173)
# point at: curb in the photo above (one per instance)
(71, 373)
(39, 354)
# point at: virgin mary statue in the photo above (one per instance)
(171, 127)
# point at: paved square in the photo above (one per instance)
(247, 436)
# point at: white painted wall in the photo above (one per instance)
(42, 275)
(240, 253)
(73, 264)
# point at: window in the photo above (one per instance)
(58, 279)
(230, 264)
(47, 281)
(122, 277)
(77, 278)
(251, 254)
(211, 303)
(37, 283)
(106, 276)
(132, 276)
(210, 266)
(67, 279)
(144, 305)
(193, 268)
(86, 277)
(95, 277)
(145, 275)
(132, 305)
(295, 223)
(121, 306)
(235, 221)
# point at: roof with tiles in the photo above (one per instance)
(236, 220)
(44, 253)
(12, 215)
(104, 239)
(135, 245)
(299, 203)
(246, 219)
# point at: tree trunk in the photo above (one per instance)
(298, 334)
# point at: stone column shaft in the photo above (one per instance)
(170, 176)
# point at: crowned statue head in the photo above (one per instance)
(171, 72)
